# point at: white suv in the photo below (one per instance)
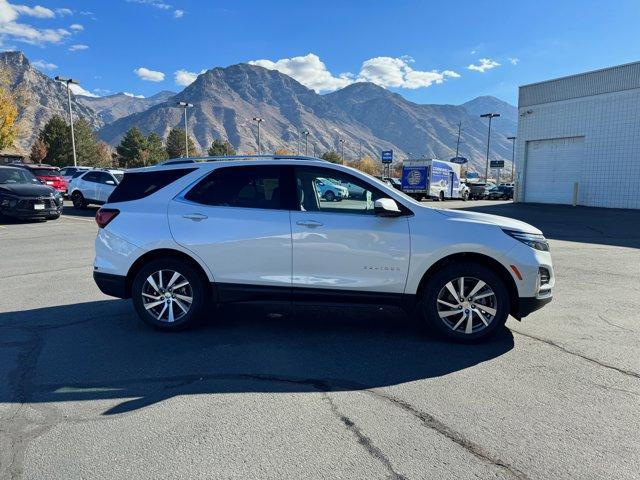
(93, 186)
(180, 238)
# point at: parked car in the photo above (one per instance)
(501, 192)
(48, 175)
(69, 172)
(330, 191)
(178, 238)
(94, 186)
(476, 190)
(22, 195)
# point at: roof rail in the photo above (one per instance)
(180, 160)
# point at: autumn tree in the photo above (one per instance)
(38, 151)
(8, 116)
(332, 157)
(219, 148)
(367, 165)
(176, 144)
(283, 151)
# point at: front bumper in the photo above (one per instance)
(24, 208)
(112, 285)
(527, 305)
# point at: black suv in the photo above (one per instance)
(22, 195)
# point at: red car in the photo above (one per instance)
(48, 175)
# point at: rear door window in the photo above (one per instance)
(260, 186)
(91, 177)
(142, 184)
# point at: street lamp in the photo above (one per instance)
(69, 81)
(306, 134)
(342, 142)
(513, 158)
(185, 105)
(489, 116)
(258, 120)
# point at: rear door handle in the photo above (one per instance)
(309, 223)
(196, 217)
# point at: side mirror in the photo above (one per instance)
(386, 207)
(110, 182)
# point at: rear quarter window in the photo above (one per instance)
(137, 185)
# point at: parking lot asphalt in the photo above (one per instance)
(268, 391)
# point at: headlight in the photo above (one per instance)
(534, 240)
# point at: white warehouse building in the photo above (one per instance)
(579, 136)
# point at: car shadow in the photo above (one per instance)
(70, 211)
(99, 350)
(605, 226)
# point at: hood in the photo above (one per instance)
(487, 219)
(27, 190)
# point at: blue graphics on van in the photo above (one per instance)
(414, 179)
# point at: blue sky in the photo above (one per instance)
(430, 52)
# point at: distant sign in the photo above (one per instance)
(460, 160)
(496, 163)
(387, 156)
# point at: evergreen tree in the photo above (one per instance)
(220, 148)
(155, 150)
(332, 157)
(87, 149)
(56, 135)
(176, 145)
(132, 150)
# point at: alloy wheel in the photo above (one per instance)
(167, 295)
(467, 305)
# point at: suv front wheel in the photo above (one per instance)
(169, 295)
(465, 302)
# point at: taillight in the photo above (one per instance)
(105, 215)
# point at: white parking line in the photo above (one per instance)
(81, 219)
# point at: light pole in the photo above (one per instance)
(458, 142)
(489, 116)
(342, 142)
(513, 158)
(258, 121)
(306, 134)
(69, 81)
(185, 105)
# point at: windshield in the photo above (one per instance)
(12, 176)
(45, 172)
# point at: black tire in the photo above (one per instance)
(199, 292)
(441, 196)
(78, 200)
(329, 196)
(465, 196)
(451, 272)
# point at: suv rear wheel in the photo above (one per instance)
(169, 295)
(465, 302)
(78, 200)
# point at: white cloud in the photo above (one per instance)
(102, 91)
(37, 11)
(308, 70)
(184, 77)
(76, 27)
(63, 12)
(78, 90)
(149, 75)
(77, 47)
(132, 95)
(384, 71)
(484, 65)
(178, 13)
(514, 60)
(153, 3)
(42, 65)
(23, 32)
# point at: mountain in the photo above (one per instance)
(508, 120)
(39, 98)
(429, 130)
(227, 99)
(113, 107)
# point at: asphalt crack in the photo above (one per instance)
(551, 343)
(363, 440)
(609, 322)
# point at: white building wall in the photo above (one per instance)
(609, 174)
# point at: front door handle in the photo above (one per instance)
(196, 217)
(309, 223)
